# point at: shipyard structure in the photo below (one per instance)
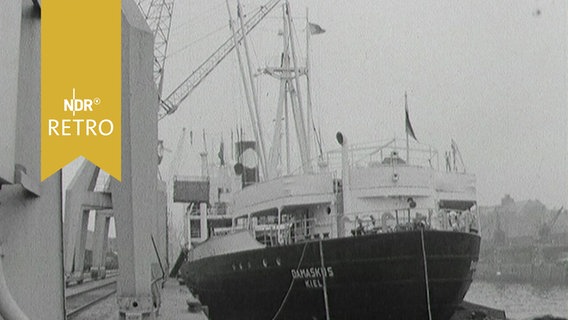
(524, 241)
(35, 263)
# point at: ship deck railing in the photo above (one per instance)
(363, 223)
(292, 231)
(376, 154)
(307, 229)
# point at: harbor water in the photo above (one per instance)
(520, 301)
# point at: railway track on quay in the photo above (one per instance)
(81, 297)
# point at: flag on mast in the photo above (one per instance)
(316, 28)
(409, 130)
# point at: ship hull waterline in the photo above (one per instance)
(379, 276)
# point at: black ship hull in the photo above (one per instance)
(379, 276)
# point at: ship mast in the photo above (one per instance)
(281, 109)
(297, 109)
(289, 74)
(247, 78)
(308, 89)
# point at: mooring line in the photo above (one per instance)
(323, 273)
(291, 284)
(426, 274)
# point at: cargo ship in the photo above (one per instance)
(389, 239)
(361, 232)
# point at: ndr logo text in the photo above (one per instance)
(80, 126)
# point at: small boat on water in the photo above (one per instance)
(362, 233)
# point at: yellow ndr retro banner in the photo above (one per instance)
(80, 84)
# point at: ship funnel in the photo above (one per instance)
(247, 162)
(340, 138)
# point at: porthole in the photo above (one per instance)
(234, 267)
(265, 263)
(278, 261)
(241, 266)
(249, 265)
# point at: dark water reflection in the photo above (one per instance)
(520, 301)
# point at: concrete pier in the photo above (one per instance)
(174, 306)
(468, 310)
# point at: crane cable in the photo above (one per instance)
(207, 35)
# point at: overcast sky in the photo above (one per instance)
(489, 74)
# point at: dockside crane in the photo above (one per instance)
(158, 15)
(172, 102)
(546, 228)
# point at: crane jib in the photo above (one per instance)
(174, 99)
